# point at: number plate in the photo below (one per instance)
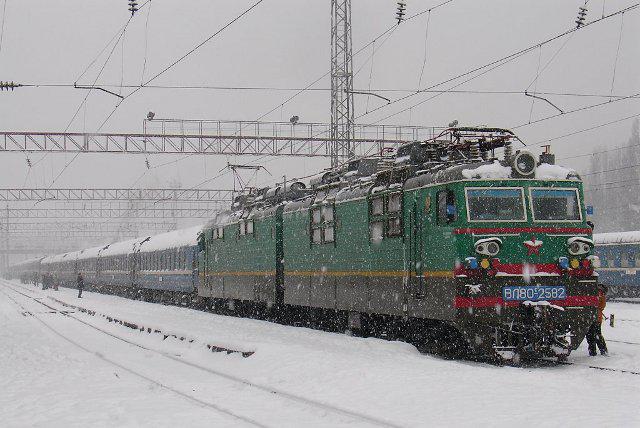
(534, 293)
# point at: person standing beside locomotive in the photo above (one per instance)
(80, 282)
(594, 335)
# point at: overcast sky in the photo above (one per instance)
(286, 44)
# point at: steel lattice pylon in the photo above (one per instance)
(342, 114)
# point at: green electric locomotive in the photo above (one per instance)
(443, 239)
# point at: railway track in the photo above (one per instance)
(270, 391)
(385, 423)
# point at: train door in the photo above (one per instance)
(416, 252)
(133, 267)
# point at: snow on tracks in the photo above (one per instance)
(303, 408)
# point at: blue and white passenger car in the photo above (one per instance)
(619, 254)
(165, 262)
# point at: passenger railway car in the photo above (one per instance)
(151, 265)
(27, 271)
(619, 254)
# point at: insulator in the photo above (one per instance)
(582, 15)
(432, 153)
(485, 155)
(474, 151)
(146, 162)
(9, 85)
(133, 7)
(29, 162)
(508, 152)
(402, 7)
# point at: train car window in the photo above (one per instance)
(394, 203)
(377, 206)
(242, 227)
(394, 227)
(322, 227)
(327, 213)
(329, 234)
(221, 233)
(249, 227)
(624, 260)
(376, 231)
(317, 236)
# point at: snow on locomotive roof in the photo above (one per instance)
(547, 171)
(488, 171)
(630, 237)
(497, 170)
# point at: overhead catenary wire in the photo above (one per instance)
(391, 28)
(120, 36)
(182, 58)
(591, 128)
(146, 43)
(4, 16)
(426, 50)
(577, 110)
(535, 88)
(615, 62)
(93, 61)
(294, 89)
(497, 62)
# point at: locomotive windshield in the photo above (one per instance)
(495, 204)
(555, 205)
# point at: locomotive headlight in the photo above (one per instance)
(488, 246)
(579, 245)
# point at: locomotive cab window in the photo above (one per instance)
(550, 204)
(495, 204)
(447, 210)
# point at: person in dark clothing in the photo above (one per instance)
(594, 335)
(45, 281)
(80, 281)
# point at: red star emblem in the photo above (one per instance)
(533, 246)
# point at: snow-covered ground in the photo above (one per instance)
(82, 370)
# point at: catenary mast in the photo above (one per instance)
(342, 114)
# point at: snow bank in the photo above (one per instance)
(617, 237)
(494, 170)
(546, 171)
